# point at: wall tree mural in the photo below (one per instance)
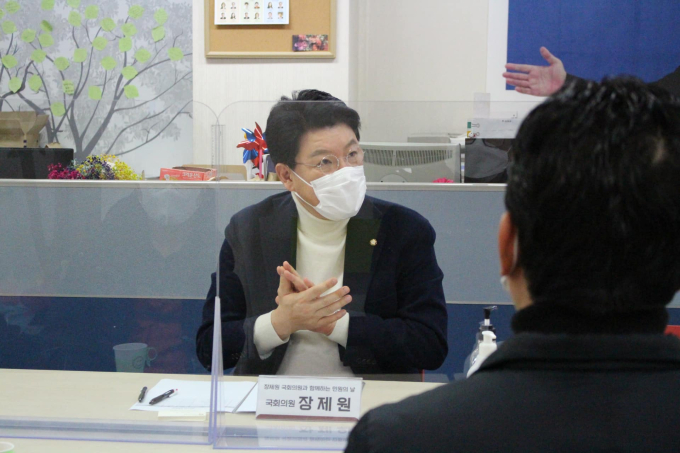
(112, 77)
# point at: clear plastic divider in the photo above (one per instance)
(414, 154)
(102, 285)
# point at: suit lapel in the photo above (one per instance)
(362, 249)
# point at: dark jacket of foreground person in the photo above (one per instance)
(589, 250)
(544, 393)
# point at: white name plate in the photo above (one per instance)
(288, 397)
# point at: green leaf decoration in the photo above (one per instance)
(46, 26)
(125, 44)
(158, 33)
(9, 27)
(129, 72)
(109, 63)
(14, 84)
(58, 109)
(79, 55)
(99, 43)
(75, 19)
(9, 61)
(142, 55)
(161, 16)
(35, 83)
(135, 12)
(47, 5)
(95, 93)
(69, 87)
(175, 53)
(92, 12)
(2, 14)
(108, 24)
(12, 7)
(129, 29)
(62, 63)
(28, 36)
(73, 3)
(131, 92)
(46, 40)
(38, 55)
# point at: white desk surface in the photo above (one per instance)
(69, 394)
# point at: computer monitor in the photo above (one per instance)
(411, 162)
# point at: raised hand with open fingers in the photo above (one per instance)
(537, 80)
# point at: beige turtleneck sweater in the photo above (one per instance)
(320, 256)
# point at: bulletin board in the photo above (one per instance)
(307, 17)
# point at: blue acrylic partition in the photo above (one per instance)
(86, 266)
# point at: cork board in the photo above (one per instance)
(307, 17)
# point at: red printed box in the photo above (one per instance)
(188, 174)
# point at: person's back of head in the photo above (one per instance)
(594, 193)
(307, 110)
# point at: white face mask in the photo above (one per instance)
(340, 194)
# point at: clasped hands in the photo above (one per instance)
(301, 305)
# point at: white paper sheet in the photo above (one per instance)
(250, 403)
(195, 395)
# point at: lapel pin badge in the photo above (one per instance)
(374, 242)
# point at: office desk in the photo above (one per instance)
(69, 394)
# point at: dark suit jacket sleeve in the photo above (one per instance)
(233, 313)
(671, 82)
(410, 331)
(238, 346)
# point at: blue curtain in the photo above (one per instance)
(596, 38)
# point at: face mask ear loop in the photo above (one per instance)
(297, 194)
(515, 257)
(301, 178)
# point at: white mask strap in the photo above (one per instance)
(301, 178)
(300, 198)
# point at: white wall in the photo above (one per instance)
(424, 50)
(387, 50)
(219, 83)
(415, 58)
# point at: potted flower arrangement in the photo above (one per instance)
(106, 167)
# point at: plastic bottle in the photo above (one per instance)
(484, 326)
(486, 348)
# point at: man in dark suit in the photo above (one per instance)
(291, 263)
(590, 253)
(546, 80)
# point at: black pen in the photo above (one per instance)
(142, 394)
(163, 396)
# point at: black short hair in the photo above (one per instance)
(307, 110)
(594, 191)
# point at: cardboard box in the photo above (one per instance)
(20, 129)
(188, 174)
